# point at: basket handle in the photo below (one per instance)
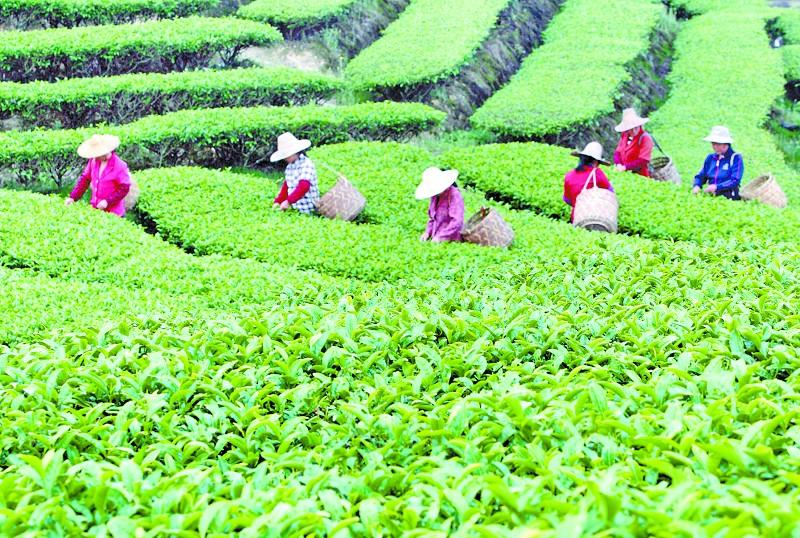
(332, 169)
(655, 143)
(592, 177)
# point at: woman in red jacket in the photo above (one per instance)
(635, 148)
(105, 173)
(589, 161)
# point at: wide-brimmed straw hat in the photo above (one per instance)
(630, 119)
(97, 146)
(593, 150)
(720, 135)
(289, 145)
(435, 181)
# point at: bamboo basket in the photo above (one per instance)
(343, 201)
(596, 208)
(664, 170)
(766, 190)
(132, 197)
(487, 228)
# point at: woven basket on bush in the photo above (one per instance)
(663, 169)
(766, 190)
(132, 197)
(342, 201)
(487, 228)
(596, 208)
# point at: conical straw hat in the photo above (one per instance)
(720, 135)
(435, 181)
(593, 150)
(97, 146)
(289, 145)
(630, 119)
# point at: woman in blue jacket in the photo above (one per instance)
(722, 170)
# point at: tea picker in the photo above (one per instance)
(588, 191)
(446, 207)
(635, 148)
(299, 189)
(112, 188)
(723, 169)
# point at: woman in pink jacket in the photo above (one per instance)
(106, 173)
(446, 209)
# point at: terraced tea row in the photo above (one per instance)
(23, 14)
(407, 55)
(82, 102)
(215, 137)
(486, 42)
(88, 249)
(293, 17)
(156, 46)
(575, 77)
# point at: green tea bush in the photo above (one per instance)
(239, 221)
(158, 46)
(328, 23)
(214, 137)
(791, 61)
(35, 305)
(694, 106)
(410, 53)
(788, 24)
(80, 102)
(293, 16)
(588, 66)
(699, 7)
(543, 405)
(67, 13)
(85, 246)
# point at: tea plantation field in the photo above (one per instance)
(209, 367)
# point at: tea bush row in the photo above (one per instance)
(294, 15)
(155, 46)
(575, 76)
(81, 102)
(215, 137)
(90, 249)
(410, 52)
(532, 404)
(23, 14)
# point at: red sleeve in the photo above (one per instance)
(83, 183)
(636, 165)
(299, 191)
(646, 148)
(567, 195)
(123, 185)
(282, 194)
(617, 159)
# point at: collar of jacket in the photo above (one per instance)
(727, 155)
